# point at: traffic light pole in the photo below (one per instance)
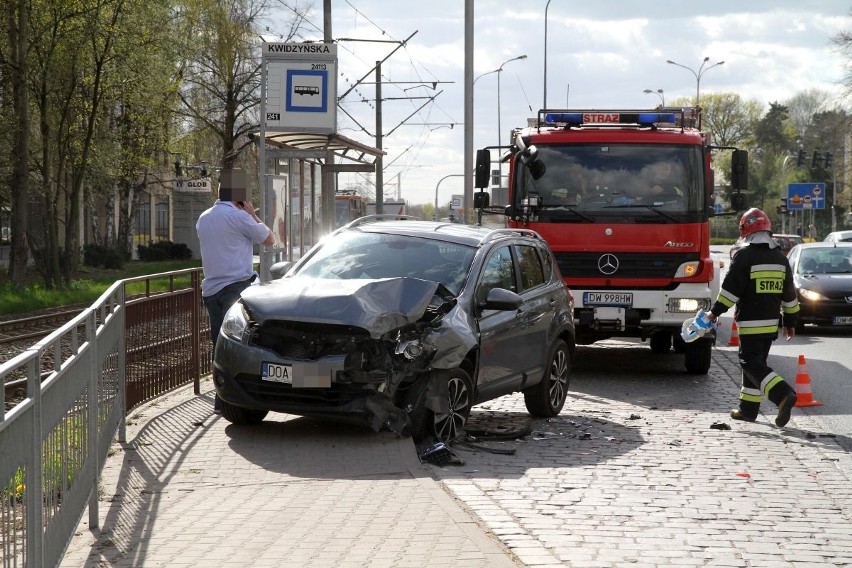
(784, 188)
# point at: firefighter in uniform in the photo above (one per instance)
(760, 284)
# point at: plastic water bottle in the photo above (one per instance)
(696, 327)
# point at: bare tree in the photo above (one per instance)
(804, 105)
(221, 78)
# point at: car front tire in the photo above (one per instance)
(241, 416)
(456, 388)
(546, 399)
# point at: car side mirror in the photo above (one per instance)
(279, 269)
(502, 299)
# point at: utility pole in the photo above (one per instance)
(380, 175)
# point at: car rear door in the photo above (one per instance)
(538, 310)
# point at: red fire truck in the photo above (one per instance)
(624, 199)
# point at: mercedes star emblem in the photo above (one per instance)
(608, 264)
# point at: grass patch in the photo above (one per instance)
(88, 286)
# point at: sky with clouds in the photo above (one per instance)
(599, 55)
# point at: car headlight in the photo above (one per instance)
(235, 322)
(811, 295)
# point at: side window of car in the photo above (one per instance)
(532, 273)
(499, 272)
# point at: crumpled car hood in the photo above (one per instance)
(379, 306)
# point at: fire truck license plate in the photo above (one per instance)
(624, 299)
(277, 373)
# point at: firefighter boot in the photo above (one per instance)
(738, 414)
(785, 407)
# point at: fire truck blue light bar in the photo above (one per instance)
(577, 118)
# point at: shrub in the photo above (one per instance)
(95, 255)
(163, 250)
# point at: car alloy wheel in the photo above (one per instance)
(450, 425)
(546, 399)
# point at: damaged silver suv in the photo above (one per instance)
(401, 324)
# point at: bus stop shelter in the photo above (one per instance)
(299, 186)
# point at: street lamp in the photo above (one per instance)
(659, 93)
(698, 74)
(437, 185)
(544, 105)
(499, 127)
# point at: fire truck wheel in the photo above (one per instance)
(661, 341)
(678, 343)
(697, 356)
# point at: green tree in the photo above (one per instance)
(16, 112)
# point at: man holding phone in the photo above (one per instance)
(227, 233)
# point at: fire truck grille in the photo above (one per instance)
(629, 265)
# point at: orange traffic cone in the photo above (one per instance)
(735, 336)
(804, 395)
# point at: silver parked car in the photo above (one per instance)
(401, 324)
(838, 237)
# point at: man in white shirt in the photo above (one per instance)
(227, 233)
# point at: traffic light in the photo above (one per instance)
(783, 207)
(800, 161)
(828, 157)
(817, 157)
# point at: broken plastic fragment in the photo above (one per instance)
(544, 435)
(719, 426)
(744, 474)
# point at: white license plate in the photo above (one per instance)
(624, 299)
(842, 320)
(277, 373)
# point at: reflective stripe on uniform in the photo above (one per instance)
(791, 307)
(753, 327)
(769, 381)
(727, 299)
(750, 395)
(768, 271)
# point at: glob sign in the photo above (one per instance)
(199, 185)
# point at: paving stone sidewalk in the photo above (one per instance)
(188, 489)
(632, 473)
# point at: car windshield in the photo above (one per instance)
(355, 254)
(826, 261)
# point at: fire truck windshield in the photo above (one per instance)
(590, 181)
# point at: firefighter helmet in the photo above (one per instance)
(754, 220)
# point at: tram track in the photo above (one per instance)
(19, 334)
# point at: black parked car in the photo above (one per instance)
(822, 273)
(402, 324)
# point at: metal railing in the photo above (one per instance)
(81, 380)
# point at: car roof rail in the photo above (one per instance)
(380, 217)
(503, 233)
